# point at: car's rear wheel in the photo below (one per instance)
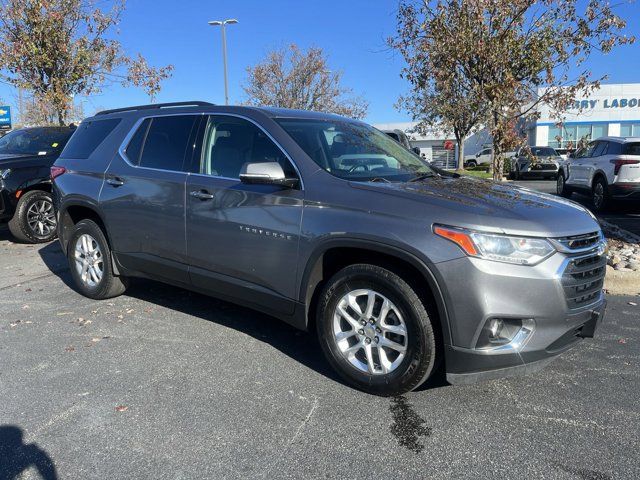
(472, 164)
(600, 195)
(35, 219)
(375, 331)
(561, 186)
(89, 259)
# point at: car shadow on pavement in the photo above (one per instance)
(16, 457)
(300, 346)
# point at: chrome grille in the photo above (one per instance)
(580, 242)
(583, 279)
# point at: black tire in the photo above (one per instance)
(600, 195)
(517, 174)
(471, 164)
(34, 220)
(109, 285)
(420, 342)
(561, 186)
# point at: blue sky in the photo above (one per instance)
(352, 33)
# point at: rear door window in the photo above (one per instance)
(167, 142)
(88, 137)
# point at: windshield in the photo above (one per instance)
(34, 141)
(543, 152)
(354, 151)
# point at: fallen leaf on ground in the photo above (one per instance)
(70, 349)
(622, 340)
(25, 307)
(633, 304)
(121, 408)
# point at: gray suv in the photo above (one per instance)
(401, 269)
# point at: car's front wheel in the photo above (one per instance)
(35, 219)
(561, 186)
(600, 195)
(89, 259)
(375, 330)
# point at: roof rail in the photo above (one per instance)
(154, 106)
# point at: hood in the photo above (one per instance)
(542, 159)
(14, 160)
(485, 205)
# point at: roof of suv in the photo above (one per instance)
(620, 139)
(198, 106)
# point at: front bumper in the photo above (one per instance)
(538, 169)
(558, 297)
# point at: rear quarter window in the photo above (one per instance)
(88, 137)
(631, 148)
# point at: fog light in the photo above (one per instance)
(495, 327)
(504, 333)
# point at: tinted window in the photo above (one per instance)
(88, 137)
(134, 149)
(167, 142)
(614, 148)
(631, 149)
(231, 142)
(600, 149)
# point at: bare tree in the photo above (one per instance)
(292, 78)
(58, 49)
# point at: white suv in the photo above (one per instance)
(607, 169)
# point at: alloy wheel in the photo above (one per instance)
(598, 195)
(89, 260)
(41, 218)
(560, 184)
(370, 332)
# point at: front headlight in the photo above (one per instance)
(497, 247)
(5, 173)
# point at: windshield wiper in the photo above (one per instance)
(422, 176)
(380, 179)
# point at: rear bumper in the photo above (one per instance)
(623, 191)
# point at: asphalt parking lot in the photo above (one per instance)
(164, 383)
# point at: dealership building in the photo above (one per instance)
(613, 110)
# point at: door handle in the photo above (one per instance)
(202, 195)
(115, 182)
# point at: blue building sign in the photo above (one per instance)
(5, 118)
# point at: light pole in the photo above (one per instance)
(223, 24)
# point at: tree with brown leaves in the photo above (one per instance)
(57, 49)
(292, 78)
(512, 55)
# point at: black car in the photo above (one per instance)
(26, 156)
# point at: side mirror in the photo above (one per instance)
(416, 150)
(266, 173)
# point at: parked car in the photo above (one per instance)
(401, 137)
(565, 153)
(333, 227)
(541, 162)
(483, 157)
(26, 156)
(607, 169)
